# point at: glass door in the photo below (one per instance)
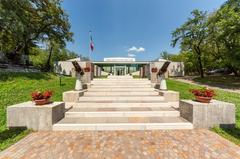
(119, 71)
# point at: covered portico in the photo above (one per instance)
(121, 67)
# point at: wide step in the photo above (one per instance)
(122, 99)
(123, 123)
(122, 105)
(123, 112)
(148, 93)
(121, 86)
(126, 89)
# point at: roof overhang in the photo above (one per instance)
(122, 62)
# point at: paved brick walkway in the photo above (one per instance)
(178, 144)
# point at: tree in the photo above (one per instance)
(192, 35)
(165, 55)
(26, 23)
(224, 34)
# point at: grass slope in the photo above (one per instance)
(227, 81)
(16, 88)
(231, 134)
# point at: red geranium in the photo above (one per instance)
(87, 69)
(154, 70)
(37, 95)
(205, 92)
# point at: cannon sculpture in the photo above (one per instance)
(161, 76)
(79, 74)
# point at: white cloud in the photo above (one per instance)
(131, 55)
(135, 49)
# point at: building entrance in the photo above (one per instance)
(120, 71)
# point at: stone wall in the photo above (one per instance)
(67, 68)
(175, 69)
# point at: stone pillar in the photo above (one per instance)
(162, 82)
(78, 85)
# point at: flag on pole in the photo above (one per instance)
(91, 41)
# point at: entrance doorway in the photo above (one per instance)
(119, 71)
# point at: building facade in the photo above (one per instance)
(120, 66)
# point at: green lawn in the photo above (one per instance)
(227, 81)
(231, 134)
(16, 88)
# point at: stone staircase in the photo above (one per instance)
(122, 103)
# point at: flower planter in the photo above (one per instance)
(87, 69)
(154, 70)
(41, 98)
(203, 99)
(41, 101)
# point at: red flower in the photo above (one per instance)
(87, 69)
(154, 70)
(37, 95)
(47, 94)
(205, 92)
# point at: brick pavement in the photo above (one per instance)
(171, 144)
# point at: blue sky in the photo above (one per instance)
(123, 28)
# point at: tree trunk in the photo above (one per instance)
(26, 54)
(234, 70)
(48, 66)
(199, 59)
(200, 66)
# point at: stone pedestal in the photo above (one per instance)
(204, 115)
(72, 96)
(78, 85)
(35, 117)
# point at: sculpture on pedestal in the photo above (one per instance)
(161, 76)
(79, 74)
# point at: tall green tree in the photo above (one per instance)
(224, 34)
(25, 23)
(191, 36)
(165, 55)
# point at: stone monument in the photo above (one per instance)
(79, 74)
(161, 76)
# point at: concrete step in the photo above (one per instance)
(121, 80)
(120, 89)
(121, 86)
(149, 93)
(120, 77)
(122, 123)
(121, 99)
(120, 105)
(123, 112)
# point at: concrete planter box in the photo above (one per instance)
(35, 117)
(208, 115)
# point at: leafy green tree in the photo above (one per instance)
(40, 57)
(165, 55)
(26, 23)
(224, 34)
(192, 35)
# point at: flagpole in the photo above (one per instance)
(89, 53)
